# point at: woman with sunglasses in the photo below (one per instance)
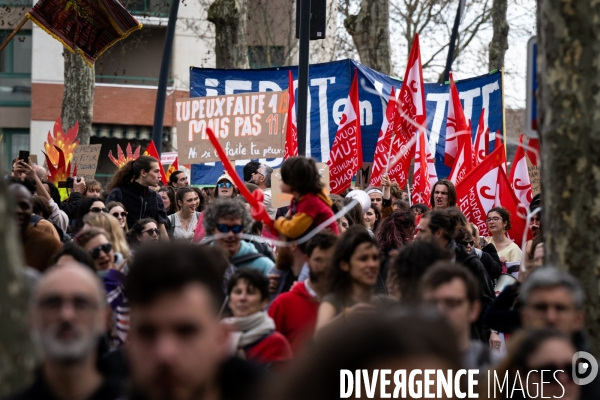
(111, 225)
(88, 205)
(530, 353)
(185, 220)
(143, 231)
(225, 188)
(117, 210)
(111, 267)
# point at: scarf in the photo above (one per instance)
(248, 330)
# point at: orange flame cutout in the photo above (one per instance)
(61, 172)
(122, 160)
(61, 140)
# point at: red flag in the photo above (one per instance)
(534, 157)
(519, 176)
(480, 149)
(476, 193)
(382, 151)
(457, 128)
(291, 135)
(345, 157)
(86, 27)
(412, 114)
(505, 197)
(174, 167)
(421, 190)
(152, 152)
(463, 164)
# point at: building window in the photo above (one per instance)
(266, 56)
(13, 141)
(15, 70)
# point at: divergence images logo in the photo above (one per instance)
(580, 367)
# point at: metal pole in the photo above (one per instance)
(161, 94)
(452, 45)
(303, 74)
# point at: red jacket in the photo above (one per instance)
(295, 315)
(308, 212)
(273, 347)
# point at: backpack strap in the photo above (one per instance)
(35, 219)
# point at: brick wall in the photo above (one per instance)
(112, 104)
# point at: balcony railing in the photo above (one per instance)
(130, 80)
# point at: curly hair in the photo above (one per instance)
(394, 231)
(504, 214)
(228, 209)
(131, 171)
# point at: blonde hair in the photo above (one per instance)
(115, 233)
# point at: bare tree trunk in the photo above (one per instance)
(569, 121)
(229, 17)
(370, 31)
(16, 353)
(78, 97)
(499, 43)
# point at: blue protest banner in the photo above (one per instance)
(329, 84)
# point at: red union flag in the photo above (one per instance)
(519, 176)
(382, 151)
(88, 27)
(480, 149)
(412, 115)
(345, 157)
(457, 129)
(291, 135)
(476, 193)
(174, 167)
(421, 191)
(462, 164)
(506, 198)
(534, 153)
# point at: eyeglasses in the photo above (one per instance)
(55, 303)
(123, 214)
(227, 185)
(471, 243)
(493, 219)
(224, 228)
(98, 210)
(152, 232)
(256, 172)
(105, 248)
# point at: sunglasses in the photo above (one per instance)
(98, 209)
(152, 232)
(224, 228)
(227, 185)
(105, 248)
(471, 243)
(116, 214)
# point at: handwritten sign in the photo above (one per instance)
(86, 158)
(279, 199)
(535, 177)
(248, 125)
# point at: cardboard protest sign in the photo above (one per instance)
(279, 199)
(86, 158)
(248, 125)
(535, 177)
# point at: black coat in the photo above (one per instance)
(140, 202)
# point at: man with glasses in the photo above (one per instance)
(552, 298)
(455, 291)
(68, 318)
(227, 220)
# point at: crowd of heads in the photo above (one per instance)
(193, 285)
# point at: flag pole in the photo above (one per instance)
(409, 194)
(13, 33)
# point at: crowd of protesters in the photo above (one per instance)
(204, 302)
